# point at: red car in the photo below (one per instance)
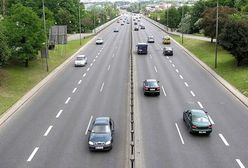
(151, 86)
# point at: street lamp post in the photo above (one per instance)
(79, 20)
(167, 18)
(44, 22)
(216, 35)
(181, 21)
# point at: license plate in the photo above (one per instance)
(99, 147)
(202, 132)
(152, 89)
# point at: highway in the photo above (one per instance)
(50, 130)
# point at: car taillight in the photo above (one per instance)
(146, 88)
(158, 88)
(193, 126)
(210, 126)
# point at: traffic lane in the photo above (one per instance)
(214, 98)
(100, 109)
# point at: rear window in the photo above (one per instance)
(101, 129)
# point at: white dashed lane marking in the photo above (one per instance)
(224, 139)
(88, 69)
(101, 89)
(193, 94)
(48, 130)
(32, 154)
(211, 121)
(170, 61)
(181, 76)
(74, 90)
(186, 84)
(91, 64)
(150, 56)
(179, 133)
(199, 103)
(173, 65)
(67, 100)
(59, 113)
(94, 60)
(108, 67)
(84, 74)
(163, 91)
(155, 68)
(87, 129)
(79, 82)
(177, 70)
(240, 163)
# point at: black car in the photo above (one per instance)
(197, 121)
(151, 86)
(142, 48)
(168, 51)
(136, 28)
(101, 134)
(116, 30)
(142, 27)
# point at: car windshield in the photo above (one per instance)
(200, 117)
(80, 58)
(152, 84)
(101, 129)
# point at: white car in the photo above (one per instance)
(81, 60)
(99, 41)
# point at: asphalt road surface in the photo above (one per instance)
(50, 131)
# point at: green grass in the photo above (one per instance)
(17, 80)
(226, 64)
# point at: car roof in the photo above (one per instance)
(102, 120)
(151, 80)
(80, 55)
(168, 48)
(142, 44)
(197, 111)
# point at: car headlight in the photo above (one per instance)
(91, 143)
(108, 142)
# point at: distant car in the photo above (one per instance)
(116, 30)
(118, 21)
(81, 60)
(197, 121)
(128, 22)
(135, 23)
(151, 86)
(150, 39)
(136, 28)
(168, 51)
(166, 40)
(101, 134)
(122, 23)
(142, 27)
(99, 40)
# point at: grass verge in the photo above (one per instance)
(16, 80)
(226, 64)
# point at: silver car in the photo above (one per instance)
(81, 60)
(99, 41)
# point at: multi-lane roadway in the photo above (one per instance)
(50, 130)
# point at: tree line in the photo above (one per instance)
(21, 24)
(201, 18)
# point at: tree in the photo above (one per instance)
(4, 48)
(234, 37)
(25, 33)
(174, 17)
(209, 20)
(184, 25)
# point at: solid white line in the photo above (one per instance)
(68, 99)
(193, 94)
(94, 60)
(60, 111)
(108, 67)
(79, 82)
(102, 87)
(155, 69)
(199, 103)
(181, 76)
(91, 117)
(48, 130)
(88, 69)
(173, 65)
(240, 163)
(84, 74)
(177, 70)
(163, 90)
(179, 134)
(74, 90)
(91, 64)
(186, 84)
(212, 122)
(32, 154)
(224, 139)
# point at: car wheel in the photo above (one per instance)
(158, 94)
(145, 93)
(208, 133)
